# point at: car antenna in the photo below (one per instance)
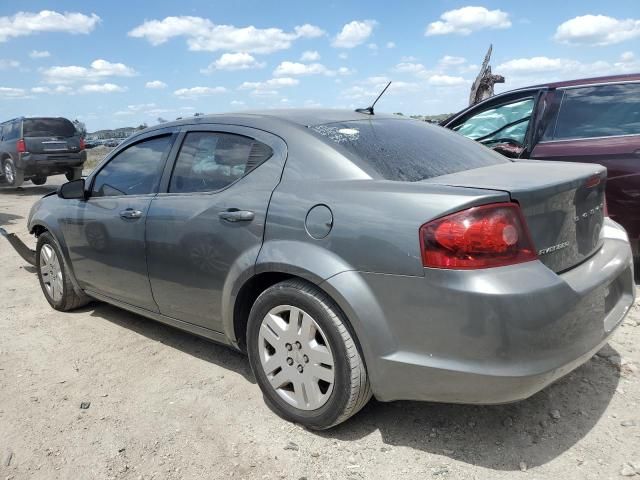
(369, 110)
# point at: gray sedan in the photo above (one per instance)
(348, 255)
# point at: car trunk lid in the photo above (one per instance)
(563, 204)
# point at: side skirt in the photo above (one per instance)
(172, 322)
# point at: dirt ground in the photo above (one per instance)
(166, 405)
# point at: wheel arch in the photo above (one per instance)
(37, 226)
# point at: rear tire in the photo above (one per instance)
(74, 174)
(39, 180)
(335, 385)
(54, 277)
(12, 175)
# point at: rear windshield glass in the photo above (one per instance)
(406, 150)
(48, 127)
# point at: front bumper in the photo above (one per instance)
(486, 336)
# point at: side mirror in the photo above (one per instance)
(72, 190)
(510, 150)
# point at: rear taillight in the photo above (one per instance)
(81, 143)
(481, 237)
(20, 146)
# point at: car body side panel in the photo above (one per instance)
(374, 223)
(195, 257)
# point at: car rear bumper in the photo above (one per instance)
(486, 336)
(47, 163)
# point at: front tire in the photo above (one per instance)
(305, 357)
(54, 277)
(13, 175)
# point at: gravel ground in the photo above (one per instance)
(166, 405)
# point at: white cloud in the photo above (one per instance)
(409, 67)
(269, 87)
(309, 31)
(465, 20)
(529, 71)
(354, 33)
(343, 56)
(195, 92)
(52, 90)
(237, 103)
(98, 69)
(10, 92)
(204, 35)
(310, 56)
(391, 45)
(597, 30)
(451, 61)
(28, 23)
(445, 81)
(146, 108)
(102, 88)
(287, 69)
(535, 64)
(7, 64)
(234, 61)
(39, 54)
(155, 84)
(627, 57)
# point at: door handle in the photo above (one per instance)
(130, 214)
(235, 215)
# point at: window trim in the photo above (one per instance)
(269, 139)
(117, 151)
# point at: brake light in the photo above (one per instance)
(21, 146)
(491, 235)
(81, 143)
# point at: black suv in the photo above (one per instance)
(34, 148)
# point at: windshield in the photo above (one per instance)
(48, 127)
(406, 150)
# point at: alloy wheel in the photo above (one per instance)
(296, 357)
(51, 272)
(8, 172)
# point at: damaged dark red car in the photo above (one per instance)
(594, 120)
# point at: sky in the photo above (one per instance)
(113, 64)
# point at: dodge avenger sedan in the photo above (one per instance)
(348, 254)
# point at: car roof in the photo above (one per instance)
(631, 77)
(303, 117)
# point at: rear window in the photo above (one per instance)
(600, 111)
(406, 150)
(48, 127)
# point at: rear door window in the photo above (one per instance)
(210, 161)
(135, 170)
(406, 150)
(48, 127)
(599, 111)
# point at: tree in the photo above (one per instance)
(142, 126)
(80, 128)
(162, 120)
